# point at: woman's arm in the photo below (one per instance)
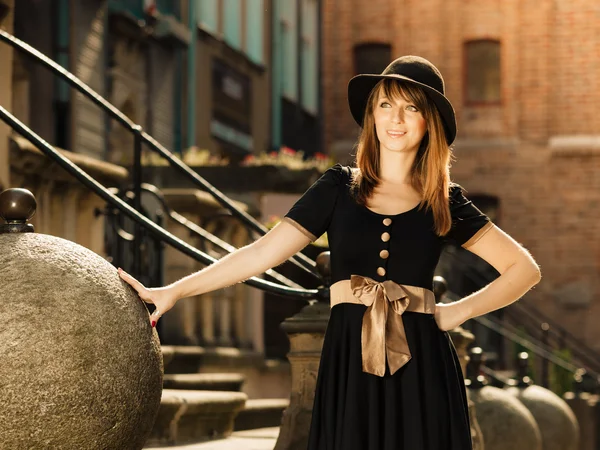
(518, 274)
(275, 247)
(272, 249)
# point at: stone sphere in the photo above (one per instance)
(557, 422)
(506, 424)
(81, 367)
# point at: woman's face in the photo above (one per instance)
(400, 126)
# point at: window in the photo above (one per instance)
(207, 14)
(310, 55)
(371, 58)
(232, 12)
(289, 37)
(254, 30)
(482, 72)
(239, 22)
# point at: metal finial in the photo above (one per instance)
(440, 287)
(17, 206)
(475, 378)
(523, 380)
(324, 268)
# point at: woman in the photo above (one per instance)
(389, 377)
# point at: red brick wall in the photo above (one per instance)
(549, 188)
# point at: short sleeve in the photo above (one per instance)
(312, 213)
(469, 224)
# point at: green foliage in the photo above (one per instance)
(561, 380)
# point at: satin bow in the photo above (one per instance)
(382, 329)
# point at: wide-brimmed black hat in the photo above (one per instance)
(409, 69)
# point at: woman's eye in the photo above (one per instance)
(412, 108)
(384, 104)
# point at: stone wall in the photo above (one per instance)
(88, 64)
(65, 208)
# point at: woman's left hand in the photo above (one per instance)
(449, 315)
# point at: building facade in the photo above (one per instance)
(523, 77)
(196, 75)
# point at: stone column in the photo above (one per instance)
(241, 307)
(207, 301)
(6, 56)
(306, 331)
(226, 300)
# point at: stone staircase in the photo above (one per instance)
(210, 393)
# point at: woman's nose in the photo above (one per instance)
(398, 116)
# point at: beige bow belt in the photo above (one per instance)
(382, 326)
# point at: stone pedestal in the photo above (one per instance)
(461, 339)
(586, 408)
(306, 331)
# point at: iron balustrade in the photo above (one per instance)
(159, 232)
(141, 137)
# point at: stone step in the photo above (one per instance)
(189, 358)
(187, 416)
(260, 439)
(264, 378)
(182, 358)
(261, 413)
(204, 381)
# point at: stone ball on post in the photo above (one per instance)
(557, 422)
(81, 366)
(506, 424)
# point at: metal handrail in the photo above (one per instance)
(299, 259)
(159, 232)
(533, 345)
(202, 233)
(578, 348)
(559, 333)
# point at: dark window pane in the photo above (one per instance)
(483, 72)
(371, 58)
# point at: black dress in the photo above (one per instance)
(423, 405)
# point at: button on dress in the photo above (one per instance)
(422, 405)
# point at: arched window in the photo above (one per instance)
(371, 57)
(482, 59)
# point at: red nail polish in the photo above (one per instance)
(153, 323)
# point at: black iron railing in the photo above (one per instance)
(142, 138)
(142, 221)
(524, 325)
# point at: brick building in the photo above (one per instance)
(524, 78)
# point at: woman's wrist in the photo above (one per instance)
(173, 291)
(462, 309)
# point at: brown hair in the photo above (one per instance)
(431, 168)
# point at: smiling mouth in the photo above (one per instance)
(396, 134)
